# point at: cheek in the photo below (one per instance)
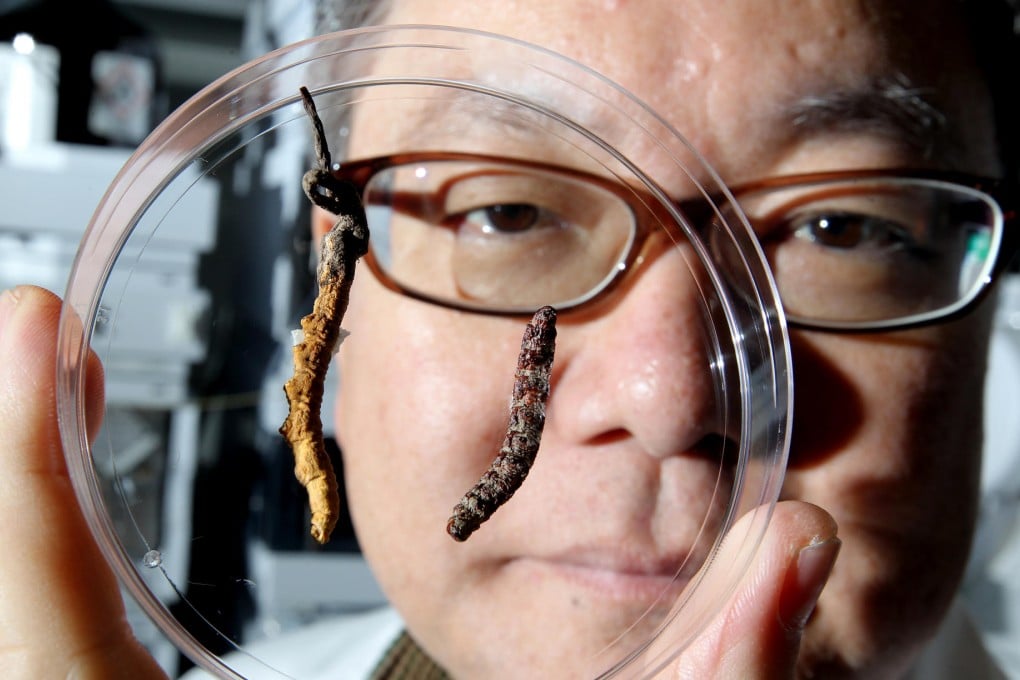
(887, 438)
(896, 420)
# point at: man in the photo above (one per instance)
(885, 426)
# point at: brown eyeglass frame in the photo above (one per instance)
(698, 210)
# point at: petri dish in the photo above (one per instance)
(197, 263)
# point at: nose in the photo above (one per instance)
(643, 369)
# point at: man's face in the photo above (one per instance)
(887, 427)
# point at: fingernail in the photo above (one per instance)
(804, 582)
(8, 303)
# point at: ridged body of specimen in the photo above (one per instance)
(524, 432)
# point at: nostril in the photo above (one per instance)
(651, 368)
(720, 450)
(668, 407)
(718, 447)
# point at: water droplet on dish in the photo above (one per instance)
(152, 559)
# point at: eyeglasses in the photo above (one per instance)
(850, 251)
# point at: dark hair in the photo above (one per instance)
(337, 15)
(995, 32)
(993, 28)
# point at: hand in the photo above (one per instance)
(61, 613)
(758, 635)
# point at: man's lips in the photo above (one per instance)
(612, 574)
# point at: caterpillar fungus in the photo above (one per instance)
(321, 332)
(524, 431)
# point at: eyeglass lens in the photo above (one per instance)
(859, 251)
(495, 237)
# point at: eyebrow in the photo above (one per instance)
(889, 106)
(435, 120)
(465, 114)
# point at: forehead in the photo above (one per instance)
(747, 80)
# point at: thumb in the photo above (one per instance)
(61, 613)
(759, 633)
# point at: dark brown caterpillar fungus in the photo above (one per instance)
(524, 431)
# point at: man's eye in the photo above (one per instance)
(509, 218)
(850, 230)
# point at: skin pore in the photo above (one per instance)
(887, 434)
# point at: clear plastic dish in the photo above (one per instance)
(195, 266)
